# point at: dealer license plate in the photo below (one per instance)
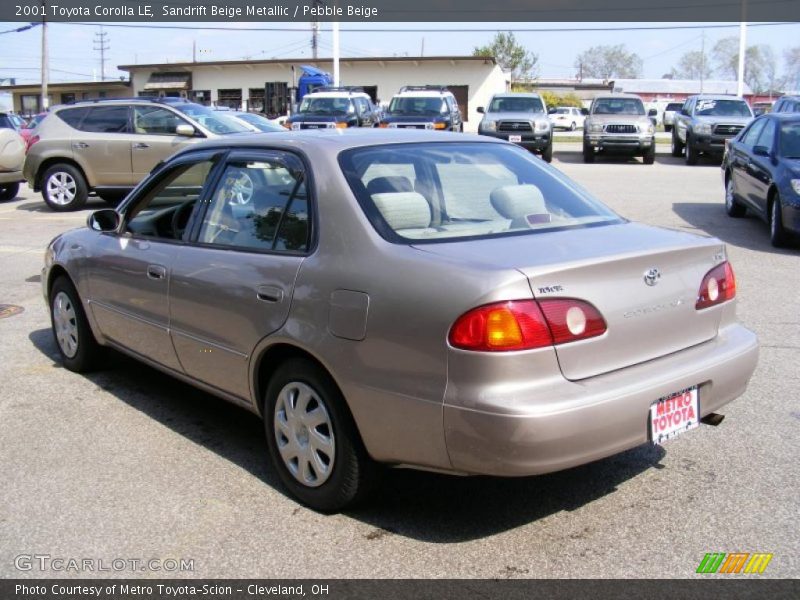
(673, 415)
(515, 138)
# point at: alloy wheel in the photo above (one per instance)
(61, 188)
(66, 324)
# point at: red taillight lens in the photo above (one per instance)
(31, 141)
(719, 285)
(525, 325)
(571, 320)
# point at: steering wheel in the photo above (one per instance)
(180, 218)
(241, 190)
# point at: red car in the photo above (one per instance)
(27, 130)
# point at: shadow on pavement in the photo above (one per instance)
(424, 506)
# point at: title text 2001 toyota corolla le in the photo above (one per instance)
(439, 301)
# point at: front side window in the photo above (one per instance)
(259, 205)
(751, 135)
(790, 140)
(106, 119)
(155, 120)
(767, 136)
(437, 192)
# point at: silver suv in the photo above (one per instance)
(109, 146)
(705, 123)
(619, 124)
(521, 119)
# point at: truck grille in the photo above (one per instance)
(514, 126)
(622, 129)
(727, 130)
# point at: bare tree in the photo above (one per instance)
(693, 65)
(511, 55)
(608, 62)
(760, 64)
(791, 59)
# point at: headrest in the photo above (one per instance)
(403, 210)
(394, 183)
(515, 201)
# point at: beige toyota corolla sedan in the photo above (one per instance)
(438, 301)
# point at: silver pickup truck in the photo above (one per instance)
(705, 122)
(619, 124)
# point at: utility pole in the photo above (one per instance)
(422, 50)
(194, 51)
(45, 60)
(702, 59)
(742, 50)
(314, 37)
(102, 45)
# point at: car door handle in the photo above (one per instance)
(141, 145)
(268, 293)
(156, 272)
(80, 145)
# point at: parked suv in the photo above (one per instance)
(786, 104)
(423, 107)
(334, 108)
(108, 146)
(705, 123)
(521, 119)
(619, 124)
(669, 115)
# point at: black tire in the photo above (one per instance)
(588, 153)
(8, 191)
(667, 128)
(677, 146)
(353, 473)
(732, 206)
(778, 236)
(573, 127)
(691, 154)
(649, 156)
(86, 355)
(74, 182)
(547, 153)
(112, 198)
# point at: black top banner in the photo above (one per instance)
(429, 11)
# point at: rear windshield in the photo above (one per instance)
(510, 104)
(618, 106)
(790, 140)
(674, 106)
(423, 105)
(435, 192)
(722, 108)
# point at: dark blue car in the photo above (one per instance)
(762, 174)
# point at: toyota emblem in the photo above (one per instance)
(651, 276)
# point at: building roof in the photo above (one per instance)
(677, 86)
(67, 85)
(299, 61)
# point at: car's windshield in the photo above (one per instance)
(562, 111)
(326, 106)
(420, 105)
(511, 104)
(434, 192)
(618, 106)
(673, 106)
(790, 140)
(261, 123)
(722, 108)
(212, 120)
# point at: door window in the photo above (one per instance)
(155, 120)
(767, 136)
(751, 135)
(106, 119)
(259, 205)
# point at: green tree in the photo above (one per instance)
(608, 62)
(510, 55)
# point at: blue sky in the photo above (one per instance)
(73, 57)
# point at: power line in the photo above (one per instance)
(101, 44)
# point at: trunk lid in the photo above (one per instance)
(606, 266)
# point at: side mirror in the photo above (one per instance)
(106, 219)
(652, 112)
(481, 110)
(185, 130)
(760, 150)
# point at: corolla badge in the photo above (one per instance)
(651, 276)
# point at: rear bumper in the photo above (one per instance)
(573, 423)
(11, 177)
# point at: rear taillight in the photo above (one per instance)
(719, 285)
(525, 325)
(31, 141)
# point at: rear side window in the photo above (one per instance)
(73, 116)
(106, 119)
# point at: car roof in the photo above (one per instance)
(718, 97)
(333, 141)
(424, 93)
(615, 96)
(781, 116)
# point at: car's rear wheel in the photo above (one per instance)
(112, 198)
(547, 153)
(64, 188)
(8, 191)
(312, 438)
(677, 147)
(79, 350)
(691, 153)
(649, 156)
(778, 236)
(667, 128)
(573, 127)
(732, 206)
(588, 153)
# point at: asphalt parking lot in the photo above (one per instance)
(128, 463)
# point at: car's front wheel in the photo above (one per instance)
(588, 153)
(547, 153)
(573, 127)
(778, 236)
(8, 191)
(74, 338)
(691, 153)
(677, 146)
(649, 156)
(732, 206)
(312, 438)
(64, 188)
